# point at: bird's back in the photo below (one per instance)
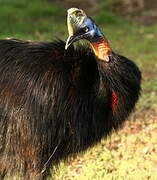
(28, 60)
(47, 93)
(58, 102)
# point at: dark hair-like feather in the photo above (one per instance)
(56, 103)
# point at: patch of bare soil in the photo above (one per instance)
(146, 17)
(141, 11)
(140, 121)
(89, 5)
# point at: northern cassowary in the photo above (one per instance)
(57, 100)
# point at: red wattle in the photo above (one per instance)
(114, 100)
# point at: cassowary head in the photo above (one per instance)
(82, 27)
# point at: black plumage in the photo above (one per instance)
(56, 103)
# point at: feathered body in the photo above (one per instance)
(55, 103)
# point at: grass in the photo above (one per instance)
(129, 154)
(30, 20)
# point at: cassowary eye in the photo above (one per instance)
(84, 29)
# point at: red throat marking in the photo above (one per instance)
(114, 100)
(101, 49)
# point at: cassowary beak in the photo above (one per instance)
(70, 40)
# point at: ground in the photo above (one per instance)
(127, 155)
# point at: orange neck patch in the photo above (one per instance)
(101, 49)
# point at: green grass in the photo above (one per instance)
(30, 19)
(129, 154)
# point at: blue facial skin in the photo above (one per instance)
(88, 30)
(92, 32)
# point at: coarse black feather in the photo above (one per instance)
(55, 103)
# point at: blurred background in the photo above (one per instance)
(131, 28)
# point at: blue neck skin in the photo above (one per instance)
(98, 34)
